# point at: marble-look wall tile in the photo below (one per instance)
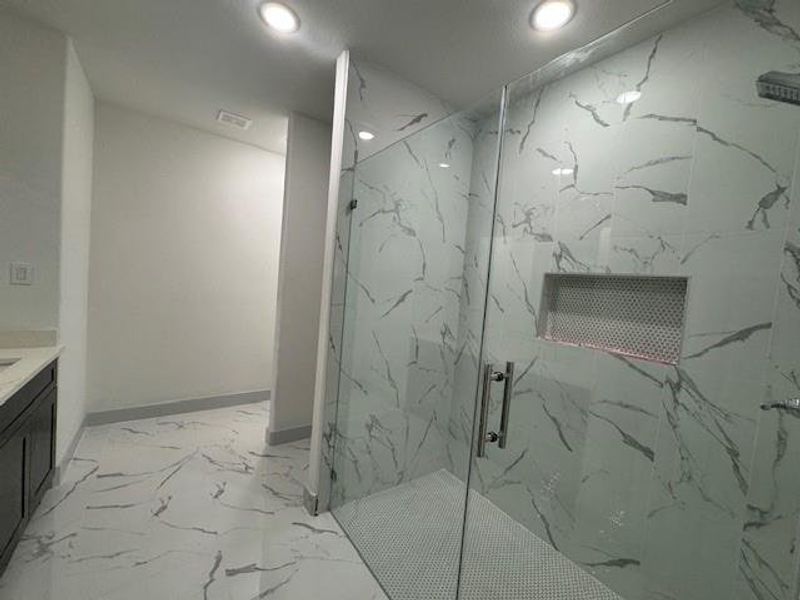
(617, 467)
(405, 285)
(701, 478)
(666, 482)
(658, 470)
(391, 109)
(768, 560)
(537, 477)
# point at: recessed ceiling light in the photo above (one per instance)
(366, 135)
(563, 171)
(444, 165)
(629, 97)
(280, 17)
(552, 14)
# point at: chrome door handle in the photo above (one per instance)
(788, 404)
(488, 375)
(506, 412)
(491, 437)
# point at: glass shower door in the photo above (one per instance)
(413, 321)
(645, 284)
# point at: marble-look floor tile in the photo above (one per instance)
(193, 506)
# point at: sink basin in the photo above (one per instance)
(7, 362)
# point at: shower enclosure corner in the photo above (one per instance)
(568, 355)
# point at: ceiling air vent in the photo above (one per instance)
(233, 120)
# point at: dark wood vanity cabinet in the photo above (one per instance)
(27, 455)
(12, 493)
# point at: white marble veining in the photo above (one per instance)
(194, 506)
(401, 353)
(389, 107)
(663, 482)
(28, 362)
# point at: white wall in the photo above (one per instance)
(32, 66)
(300, 279)
(46, 140)
(184, 255)
(76, 199)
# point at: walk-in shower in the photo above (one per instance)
(557, 316)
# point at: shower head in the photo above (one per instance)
(783, 87)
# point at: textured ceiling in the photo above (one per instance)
(186, 59)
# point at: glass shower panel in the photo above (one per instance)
(626, 477)
(413, 319)
(622, 473)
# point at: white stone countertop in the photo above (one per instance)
(29, 364)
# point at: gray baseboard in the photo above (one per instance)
(61, 467)
(284, 436)
(175, 407)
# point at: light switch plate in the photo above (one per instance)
(21, 274)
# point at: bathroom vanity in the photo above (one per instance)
(28, 396)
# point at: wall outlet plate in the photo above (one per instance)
(21, 274)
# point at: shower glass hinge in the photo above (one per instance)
(353, 205)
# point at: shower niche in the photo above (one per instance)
(632, 315)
